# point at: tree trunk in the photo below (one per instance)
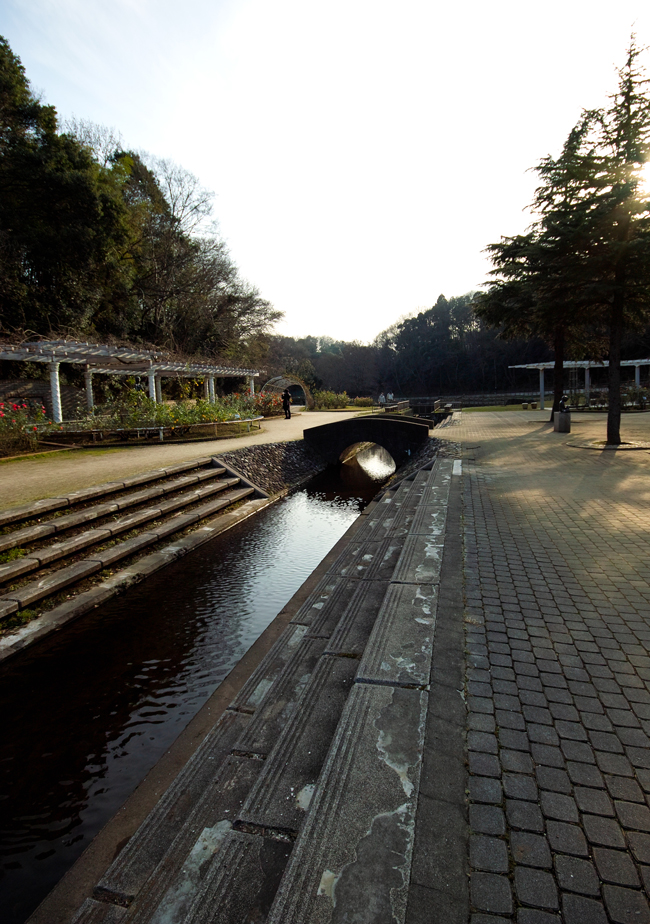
(558, 371)
(614, 376)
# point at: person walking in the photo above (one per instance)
(382, 401)
(286, 404)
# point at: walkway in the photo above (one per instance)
(25, 480)
(557, 618)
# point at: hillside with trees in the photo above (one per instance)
(99, 242)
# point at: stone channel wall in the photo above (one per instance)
(275, 467)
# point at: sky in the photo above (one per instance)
(362, 153)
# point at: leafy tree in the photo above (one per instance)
(581, 277)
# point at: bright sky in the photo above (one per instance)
(362, 153)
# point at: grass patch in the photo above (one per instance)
(11, 555)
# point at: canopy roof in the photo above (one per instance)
(582, 364)
(114, 360)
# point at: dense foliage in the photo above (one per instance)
(97, 244)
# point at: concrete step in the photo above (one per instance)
(132, 868)
(53, 583)
(40, 531)
(83, 495)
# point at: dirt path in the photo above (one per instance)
(25, 480)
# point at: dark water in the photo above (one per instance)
(87, 713)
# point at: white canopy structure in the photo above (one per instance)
(585, 364)
(112, 360)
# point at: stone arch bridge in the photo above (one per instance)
(398, 437)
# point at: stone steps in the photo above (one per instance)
(53, 564)
(306, 788)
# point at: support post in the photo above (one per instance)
(637, 376)
(541, 389)
(206, 388)
(151, 379)
(587, 383)
(88, 376)
(55, 388)
(159, 389)
(251, 384)
(213, 396)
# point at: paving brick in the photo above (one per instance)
(535, 916)
(640, 844)
(488, 853)
(487, 819)
(605, 832)
(490, 892)
(595, 801)
(482, 741)
(547, 756)
(632, 815)
(478, 721)
(485, 789)
(559, 807)
(564, 711)
(553, 779)
(530, 849)
(575, 875)
(524, 815)
(543, 734)
(576, 909)
(519, 786)
(620, 787)
(507, 719)
(585, 775)
(566, 838)
(536, 887)
(515, 761)
(615, 866)
(483, 764)
(596, 721)
(625, 905)
(614, 763)
(578, 751)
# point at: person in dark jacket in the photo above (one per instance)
(286, 404)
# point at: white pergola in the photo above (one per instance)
(112, 360)
(587, 365)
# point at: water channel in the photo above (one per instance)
(87, 713)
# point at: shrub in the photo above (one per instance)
(362, 402)
(330, 400)
(19, 426)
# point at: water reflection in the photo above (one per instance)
(88, 712)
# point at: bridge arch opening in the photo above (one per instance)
(363, 462)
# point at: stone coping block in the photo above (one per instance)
(400, 647)
(420, 561)
(355, 849)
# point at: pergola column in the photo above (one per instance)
(206, 387)
(159, 389)
(587, 382)
(151, 379)
(251, 384)
(55, 387)
(541, 389)
(637, 376)
(213, 396)
(88, 376)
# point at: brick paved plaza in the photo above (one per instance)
(557, 619)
